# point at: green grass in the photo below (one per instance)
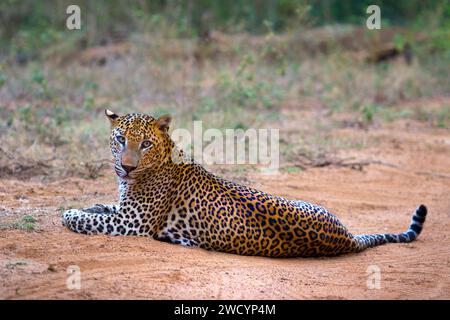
(438, 117)
(26, 223)
(291, 169)
(53, 114)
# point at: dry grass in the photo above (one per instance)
(51, 120)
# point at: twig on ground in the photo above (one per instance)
(305, 161)
(433, 174)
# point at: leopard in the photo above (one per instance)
(166, 195)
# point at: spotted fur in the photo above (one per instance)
(165, 195)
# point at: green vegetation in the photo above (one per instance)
(241, 66)
(28, 25)
(26, 223)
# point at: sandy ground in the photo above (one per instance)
(380, 198)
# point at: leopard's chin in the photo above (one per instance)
(128, 179)
(125, 177)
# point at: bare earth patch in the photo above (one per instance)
(379, 198)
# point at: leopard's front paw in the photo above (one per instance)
(69, 217)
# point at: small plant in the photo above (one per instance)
(369, 111)
(443, 120)
(2, 79)
(247, 89)
(291, 169)
(39, 80)
(26, 223)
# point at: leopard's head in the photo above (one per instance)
(138, 143)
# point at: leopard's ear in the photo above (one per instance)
(164, 122)
(112, 117)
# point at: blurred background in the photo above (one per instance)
(308, 67)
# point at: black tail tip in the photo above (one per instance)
(417, 222)
(422, 211)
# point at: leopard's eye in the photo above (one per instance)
(120, 139)
(146, 144)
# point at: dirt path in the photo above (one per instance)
(380, 198)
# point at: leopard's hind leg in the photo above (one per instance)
(345, 242)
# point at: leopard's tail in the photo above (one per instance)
(365, 241)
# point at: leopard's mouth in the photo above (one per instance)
(121, 173)
(127, 176)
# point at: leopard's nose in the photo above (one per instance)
(128, 169)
